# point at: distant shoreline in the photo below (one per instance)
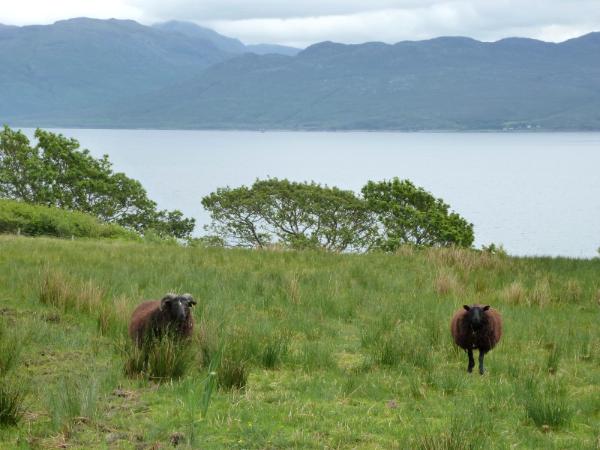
(314, 130)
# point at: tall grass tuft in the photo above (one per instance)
(464, 260)
(232, 373)
(541, 294)
(11, 403)
(10, 349)
(446, 283)
(198, 396)
(547, 406)
(160, 359)
(58, 290)
(315, 355)
(460, 435)
(274, 350)
(112, 317)
(73, 401)
(572, 292)
(554, 354)
(396, 345)
(293, 289)
(514, 293)
(207, 340)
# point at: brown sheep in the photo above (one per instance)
(476, 327)
(153, 318)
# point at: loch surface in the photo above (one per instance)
(534, 193)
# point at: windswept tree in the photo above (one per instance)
(236, 215)
(309, 215)
(55, 172)
(298, 215)
(407, 214)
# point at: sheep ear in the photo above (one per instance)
(486, 307)
(467, 308)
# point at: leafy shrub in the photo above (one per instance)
(57, 173)
(36, 220)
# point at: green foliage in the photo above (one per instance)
(36, 220)
(55, 172)
(298, 215)
(308, 215)
(494, 249)
(407, 214)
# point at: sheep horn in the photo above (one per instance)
(166, 298)
(189, 298)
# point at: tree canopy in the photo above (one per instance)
(56, 172)
(309, 215)
(407, 214)
(298, 215)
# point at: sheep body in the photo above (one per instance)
(152, 319)
(483, 335)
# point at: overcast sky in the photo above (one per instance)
(301, 23)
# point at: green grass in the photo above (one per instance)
(296, 349)
(11, 403)
(37, 220)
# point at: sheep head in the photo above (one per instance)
(475, 316)
(177, 307)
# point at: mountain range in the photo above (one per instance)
(121, 74)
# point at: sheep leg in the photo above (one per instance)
(481, 368)
(471, 361)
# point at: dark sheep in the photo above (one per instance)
(153, 318)
(476, 327)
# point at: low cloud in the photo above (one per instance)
(487, 21)
(349, 21)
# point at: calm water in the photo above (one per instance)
(537, 194)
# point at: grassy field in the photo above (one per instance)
(331, 351)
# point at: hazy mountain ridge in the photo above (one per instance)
(50, 70)
(183, 78)
(56, 73)
(223, 42)
(444, 83)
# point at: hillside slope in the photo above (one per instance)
(445, 83)
(54, 72)
(120, 74)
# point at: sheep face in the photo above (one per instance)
(177, 307)
(475, 316)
